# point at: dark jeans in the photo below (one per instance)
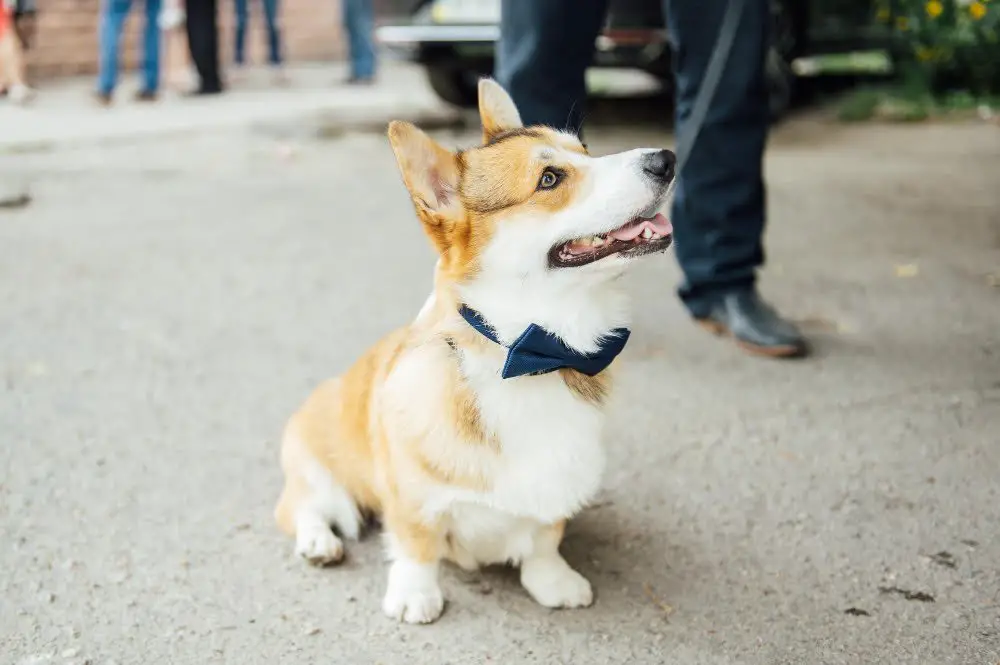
(718, 211)
(203, 40)
(273, 34)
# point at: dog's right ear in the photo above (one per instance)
(430, 173)
(496, 110)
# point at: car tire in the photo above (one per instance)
(454, 85)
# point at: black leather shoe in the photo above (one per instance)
(202, 91)
(754, 325)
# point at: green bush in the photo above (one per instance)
(945, 46)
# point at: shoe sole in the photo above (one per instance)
(719, 330)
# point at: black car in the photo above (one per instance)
(454, 39)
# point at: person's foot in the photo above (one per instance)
(237, 74)
(359, 80)
(755, 325)
(202, 90)
(102, 98)
(145, 96)
(279, 75)
(20, 93)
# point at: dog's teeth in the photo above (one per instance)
(647, 233)
(656, 236)
(596, 241)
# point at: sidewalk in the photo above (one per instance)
(65, 113)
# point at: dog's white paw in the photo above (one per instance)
(319, 545)
(413, 595)
(413, 605)
(552, 583)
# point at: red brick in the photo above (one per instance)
(66, 36)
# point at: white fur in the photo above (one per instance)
(550, 459)
(314, 541)
(328, 501)
(328, 504)
(552, 583)
(413, 594)
(431, 301)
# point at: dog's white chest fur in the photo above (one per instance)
(550, 465)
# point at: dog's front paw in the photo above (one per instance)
(413, 605)
(552, 583)
(319, 546)
(413, 595)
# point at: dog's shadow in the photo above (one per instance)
(635, 567)
(615, 550)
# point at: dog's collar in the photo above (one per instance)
(537, 351)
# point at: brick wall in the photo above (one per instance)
(66, 38)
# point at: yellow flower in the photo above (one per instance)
(934, 8)
(903, 23)
(883, 15)
(924, 54)
(978, 10)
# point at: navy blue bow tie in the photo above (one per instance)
(538, 351)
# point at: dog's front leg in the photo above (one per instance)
(546, 575)
(413, 594)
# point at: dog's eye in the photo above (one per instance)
(549, 179)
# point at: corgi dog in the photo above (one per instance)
(475, 432)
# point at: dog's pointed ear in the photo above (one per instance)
(431, 174)
(496, 109)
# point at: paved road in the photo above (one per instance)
(165, 306)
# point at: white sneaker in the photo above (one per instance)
(20, 93)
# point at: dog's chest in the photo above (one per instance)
(551, 454)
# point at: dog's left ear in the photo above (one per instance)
(430, 173)
(496, 110)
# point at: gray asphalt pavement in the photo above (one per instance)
(165, 306)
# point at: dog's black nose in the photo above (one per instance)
(659, 165)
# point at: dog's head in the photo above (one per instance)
(530, 209)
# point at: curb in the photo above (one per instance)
(333, 124)
(316, 124)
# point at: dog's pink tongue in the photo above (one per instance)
(658, 224)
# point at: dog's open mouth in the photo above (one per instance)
(640, 236)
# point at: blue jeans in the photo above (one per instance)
(359, 20)
(273, 35)
(113, 15)
(719, 208)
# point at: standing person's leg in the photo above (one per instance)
(240, 32)
(544, 51)
(203, 39)
(151, 51)
(176, 54)
(719, 207)
(113, 14)
(12, 79)
(359, 21)
(271, 10)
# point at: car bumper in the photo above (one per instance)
(613, 48)
(412, 36)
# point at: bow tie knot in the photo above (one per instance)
(537, 351)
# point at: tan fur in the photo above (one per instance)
(592, 389)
